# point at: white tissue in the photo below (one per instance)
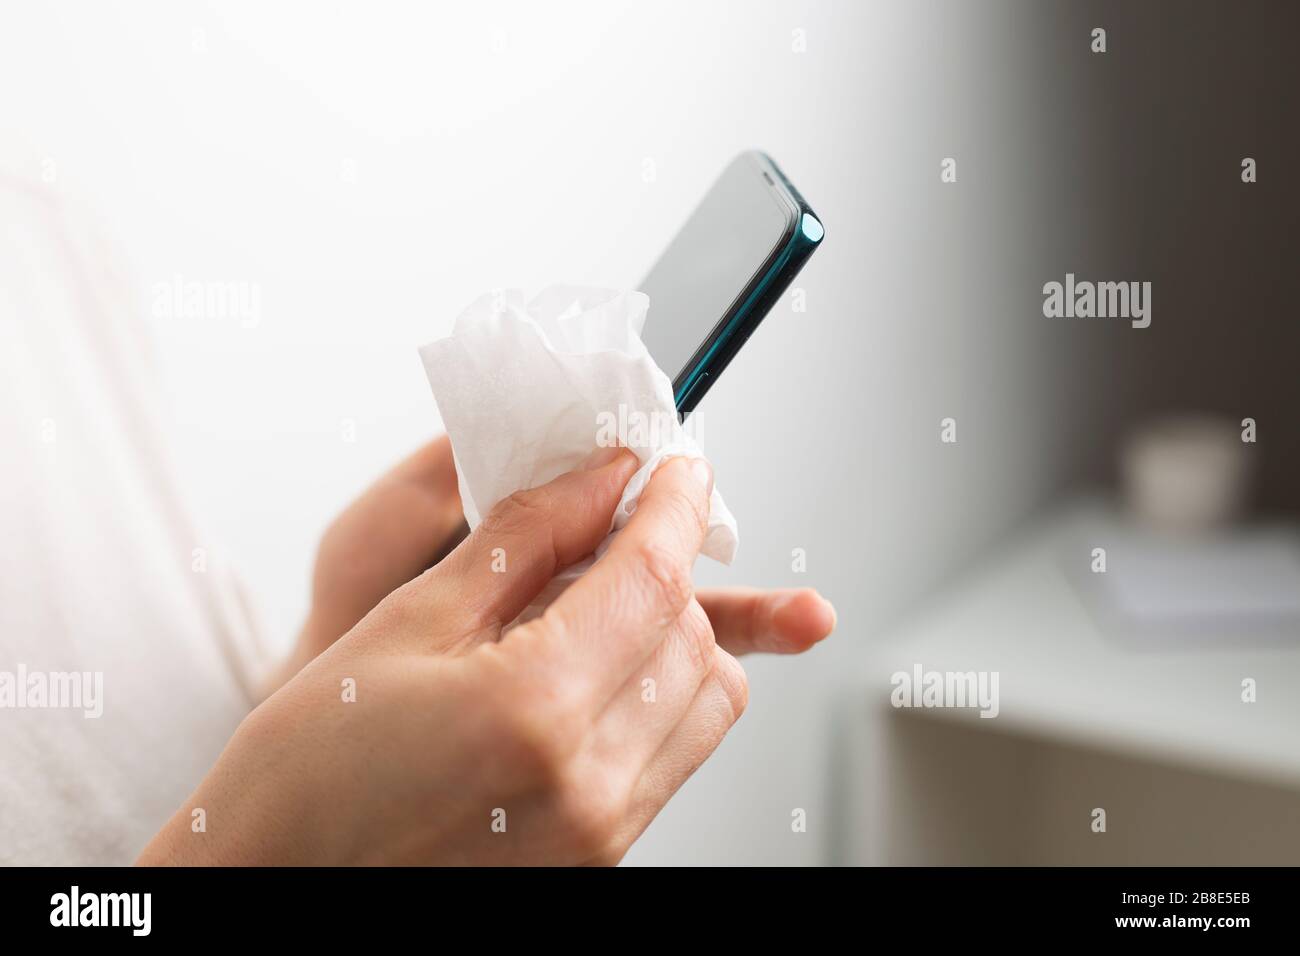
(526, 392)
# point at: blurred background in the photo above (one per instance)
(370, 168)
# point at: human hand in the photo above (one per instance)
(411, 517)
(401, 525)
(542, 746)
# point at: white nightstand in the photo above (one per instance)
(1097, 708)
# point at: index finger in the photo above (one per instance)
(612, 618)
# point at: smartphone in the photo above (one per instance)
(723, 271)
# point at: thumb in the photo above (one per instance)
(525, 540)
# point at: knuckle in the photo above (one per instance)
(733, 682)
(698, 511)
(528, 502)
(536, 729)
(666, 578)
(697, 637)
(534, 744)
(589, 812)
(517, 511)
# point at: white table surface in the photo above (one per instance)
(1068, 673)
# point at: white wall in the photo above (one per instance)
(505, 145)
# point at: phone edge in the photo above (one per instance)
(758, 298)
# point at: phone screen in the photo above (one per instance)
(711, 261)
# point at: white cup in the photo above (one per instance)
(1186, 473)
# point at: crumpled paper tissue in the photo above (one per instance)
(527, 391)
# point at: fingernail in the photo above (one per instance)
(703, 473)
(601, 457)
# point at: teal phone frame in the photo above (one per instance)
(804, 232)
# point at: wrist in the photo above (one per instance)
(308, 645)
(255, 807)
